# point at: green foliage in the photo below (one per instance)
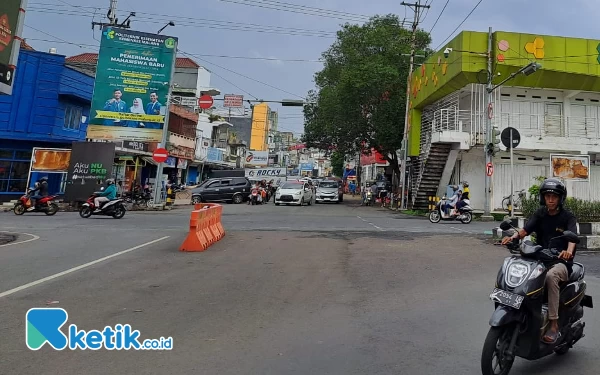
(337, 164)
(534, 190)
(584, 211)
(360, 97)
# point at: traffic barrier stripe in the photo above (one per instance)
(205, 227)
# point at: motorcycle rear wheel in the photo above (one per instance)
(494, 347)
(467, 218)
(119, 212)
(52, 209)
(19, 209)
(85, 212)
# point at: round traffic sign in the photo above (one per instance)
(205, 101)
(160, 155)
(489, 169)
(505, 137)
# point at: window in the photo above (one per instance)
(13, 173)
(240, 182)
(72, 117)
(225, 182)
(213, 184)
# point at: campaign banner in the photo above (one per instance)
(133, 77)
(12, 15)
(91, 163)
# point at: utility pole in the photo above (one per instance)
(112, 18)
(416, 7)
(487, 215)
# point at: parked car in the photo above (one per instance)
(294, 192)
(229, 189)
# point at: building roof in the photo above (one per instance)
(26, 46)
(92, 58)
(183, 112)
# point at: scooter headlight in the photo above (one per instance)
(516, 274)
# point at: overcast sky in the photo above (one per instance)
(221, 28)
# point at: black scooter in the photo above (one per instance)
(521, 316)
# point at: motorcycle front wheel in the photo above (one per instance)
(85, 212)
(19, 209)
(493, 356)
(435, 217)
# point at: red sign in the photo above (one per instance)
(235, 101)
(489, 169)
(205, 101)
(160, 155)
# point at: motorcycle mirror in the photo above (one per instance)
(506, 225)
(102, 188)
(571, 237)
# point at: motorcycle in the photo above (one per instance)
(464, 214)
(256, 196)
(114, 208)
(369, 198)
(44, 204)
(520, 319)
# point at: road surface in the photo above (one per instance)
(323, 289)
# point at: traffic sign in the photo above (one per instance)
(205, 101)
(505, 137)
(489, 169)
(160, 155)
(235, 101)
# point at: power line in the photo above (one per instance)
(439, 16)
(316, 13)
(277, 3)
(202, 23)
(459, 25)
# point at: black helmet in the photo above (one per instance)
(553, 185)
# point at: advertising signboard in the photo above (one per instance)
(278, 175)
(133, 77)
(233, 101)
(12, 16)
(257, 158)
(90, 165)
(570, 167)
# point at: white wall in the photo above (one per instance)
(472, 170)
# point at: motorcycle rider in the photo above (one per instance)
(41, 188)
(550, 221)
(107, 195)
(451, 203)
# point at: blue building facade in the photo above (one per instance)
(49, 107)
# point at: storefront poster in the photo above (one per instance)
(214, 154)
(132, 84)
(11, 24)
(50, 160)
(570, 167)
(90, 165)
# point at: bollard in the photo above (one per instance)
(169, 197)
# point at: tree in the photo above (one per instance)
(360, 98)
(337, 164)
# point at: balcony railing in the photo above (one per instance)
(533, 125)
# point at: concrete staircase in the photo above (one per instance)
(429, 173)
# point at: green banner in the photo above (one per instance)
(132, 84)
(9, 14)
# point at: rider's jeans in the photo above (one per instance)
(556, 274)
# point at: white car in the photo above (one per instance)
(294, 192)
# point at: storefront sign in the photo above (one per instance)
(50, 160)
(182, 164)
(137, 146)
(171, 162)
(265, 172)
(257, 158)
(214, 154)
(181, 152)
(90, 165)
(133, 77)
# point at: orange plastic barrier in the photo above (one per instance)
(205, 227)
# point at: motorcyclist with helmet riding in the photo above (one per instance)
(107, 195)
(549, 221)
(41, 188)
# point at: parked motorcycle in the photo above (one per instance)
(521, 316)
(44, 204)
(464, 214)
(114, 208)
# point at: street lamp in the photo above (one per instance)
(171, 23)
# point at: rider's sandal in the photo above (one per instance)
(551, 337)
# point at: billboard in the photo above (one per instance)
(277, 175)
(133, 77)
(257, 158)
(570, 167)
(12, 16)
(50, 160)
(90, 165)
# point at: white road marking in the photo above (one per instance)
(71, 270)
(381, 229)
(33, 238)
(462, 230)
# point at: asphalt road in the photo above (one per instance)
(323, 289)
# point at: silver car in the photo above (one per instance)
(328, 191)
